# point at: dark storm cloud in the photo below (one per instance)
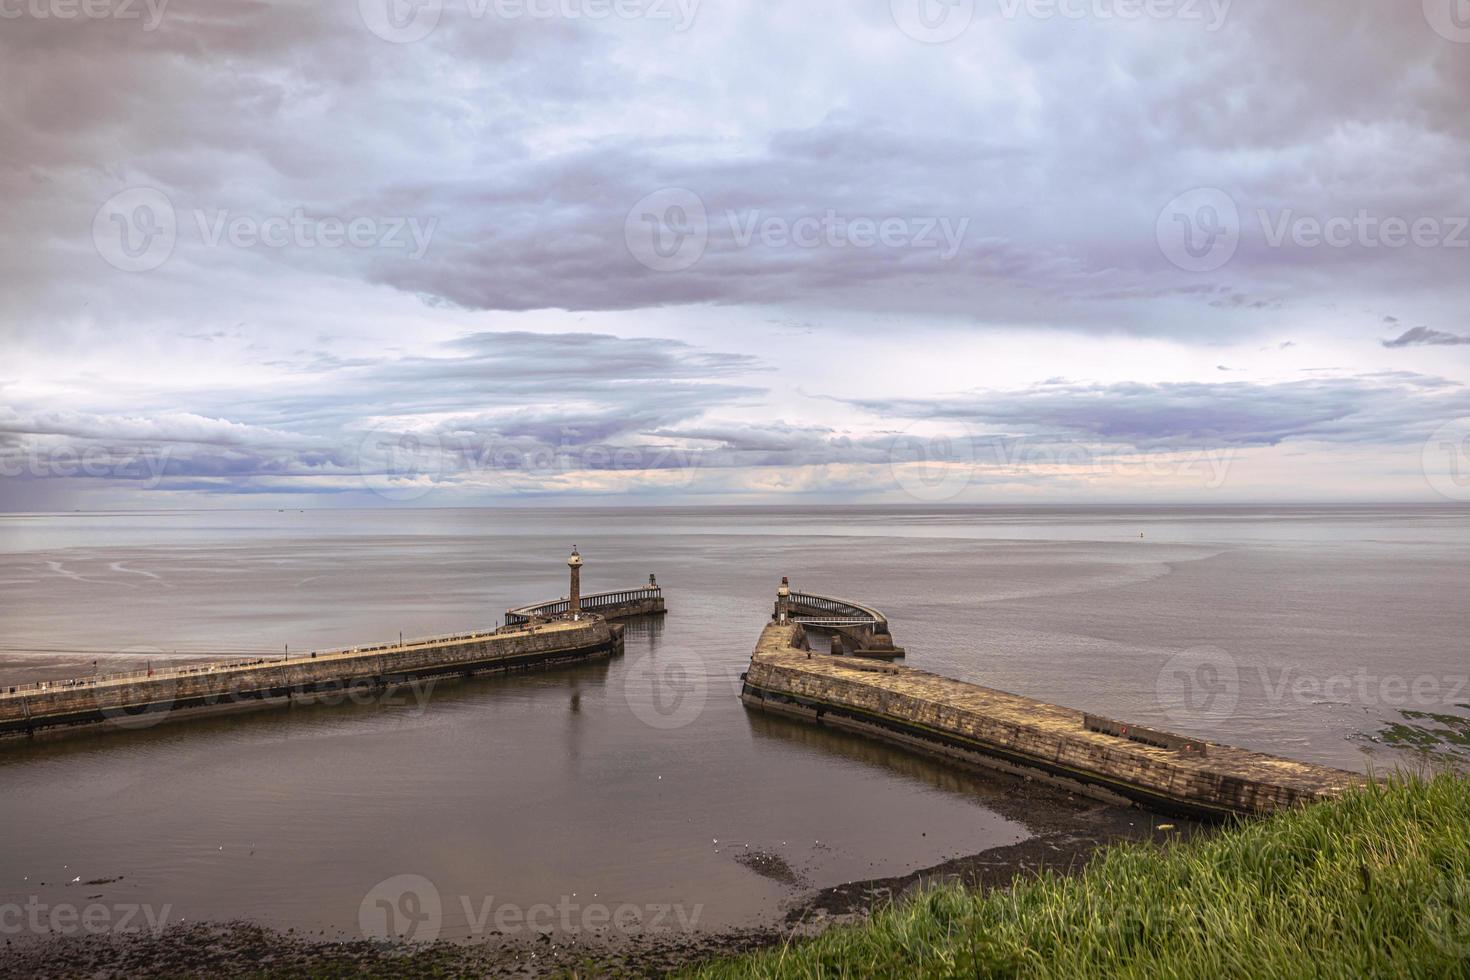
(1424, 336)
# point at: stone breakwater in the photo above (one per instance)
(1110, 760)
(138, 699)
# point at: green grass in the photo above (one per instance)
(1376, 884)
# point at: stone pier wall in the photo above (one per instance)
(84, 701)
(1017, 734)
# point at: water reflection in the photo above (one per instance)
(999, 792)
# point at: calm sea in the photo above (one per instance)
(1335, 635)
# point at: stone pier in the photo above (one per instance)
(549, 636)
(126, 699)
(1103, 758)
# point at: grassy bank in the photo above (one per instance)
(1374, 885)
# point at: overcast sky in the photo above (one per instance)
(342, 253)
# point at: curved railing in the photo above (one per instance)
(855, 628)
(831, 612)
(626, 602)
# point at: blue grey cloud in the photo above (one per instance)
(520, 401)
(1425, 337)
(1386, 408)
(531, 151)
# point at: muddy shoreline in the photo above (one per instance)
(1070, 830)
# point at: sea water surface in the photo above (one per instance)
(1332, 634)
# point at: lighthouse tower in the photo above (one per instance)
(575, 564)
(783, 601)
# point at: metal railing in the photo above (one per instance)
(590, 603)
(845, 613)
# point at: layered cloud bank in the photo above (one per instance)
(471, 252)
